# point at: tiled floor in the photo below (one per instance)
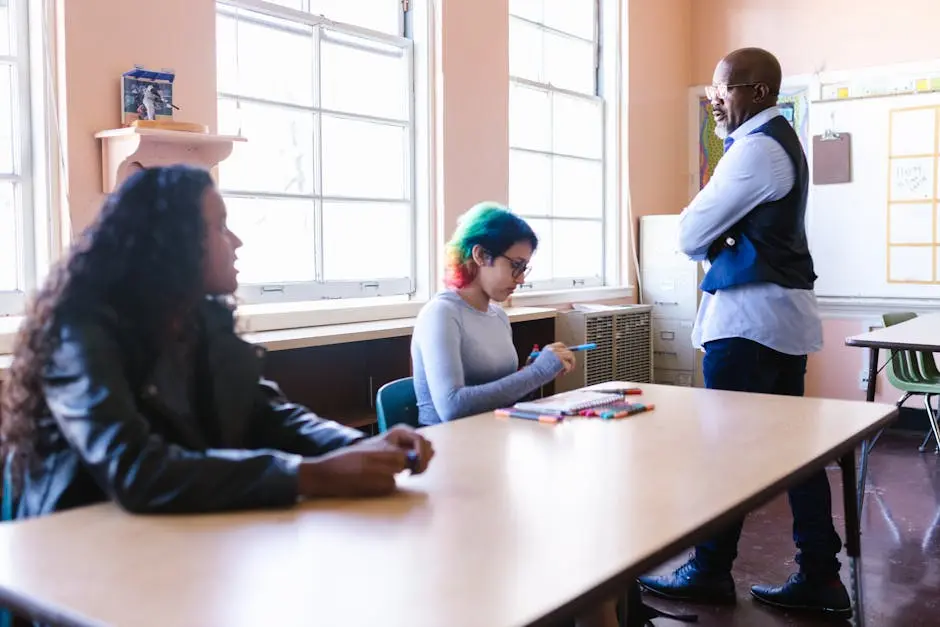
(900, 547)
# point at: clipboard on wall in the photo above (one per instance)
(832, 158)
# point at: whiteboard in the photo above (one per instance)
(862, 244)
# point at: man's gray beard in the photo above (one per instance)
(721, 131)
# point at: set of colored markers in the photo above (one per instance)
(616, 410)
(611, 411)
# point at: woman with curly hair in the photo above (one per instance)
(129, 383)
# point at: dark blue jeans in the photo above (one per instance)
(743, 365)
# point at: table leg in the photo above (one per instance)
(853, 541)
(634, 613)
(866, 444)
(872, 374)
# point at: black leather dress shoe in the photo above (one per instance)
(691, 584)
(829, 598)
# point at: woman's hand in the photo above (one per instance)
(563, 354)
(368, 467)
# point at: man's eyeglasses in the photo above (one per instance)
(722, 90)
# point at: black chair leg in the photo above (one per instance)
(633, 612)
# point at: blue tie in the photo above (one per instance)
(728, 142)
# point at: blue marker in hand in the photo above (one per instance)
(573, 349)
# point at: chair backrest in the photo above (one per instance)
(891, 319)
(396, 403)
(906, 366)
(6, 497)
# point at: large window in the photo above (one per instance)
(323, 191)
(557, 138)
(17, 228)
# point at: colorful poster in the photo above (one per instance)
(793, 104)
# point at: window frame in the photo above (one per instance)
(394, 288)
(25, 132)
(608, 270)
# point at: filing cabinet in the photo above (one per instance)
(669, 283)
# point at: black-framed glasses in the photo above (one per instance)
(519, 267)
(721, 90)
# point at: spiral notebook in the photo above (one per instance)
(570, 402)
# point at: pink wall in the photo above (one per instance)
(809, 35)
(104, 39)
(475, 59)
(834, 372)
(658, 62)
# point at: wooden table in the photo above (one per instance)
(515, 523)
(920, 334)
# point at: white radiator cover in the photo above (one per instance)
(624, 339)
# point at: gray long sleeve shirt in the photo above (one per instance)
(465, 362)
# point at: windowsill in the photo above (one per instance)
(255, 318)
(570, 296)
(324, 335)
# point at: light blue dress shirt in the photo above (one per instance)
(754, 170)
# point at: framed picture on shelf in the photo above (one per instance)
(146, 95)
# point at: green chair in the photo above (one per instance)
(396, 404)
(915, 372)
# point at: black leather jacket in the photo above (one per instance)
(112, 433)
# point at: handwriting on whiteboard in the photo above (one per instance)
(912, 179)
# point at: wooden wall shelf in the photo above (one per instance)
(126, 150)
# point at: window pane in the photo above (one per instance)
(278, 154)
(279, 239)
(569, 63)
(362, 77)
(273, 60)
(578, 126)
(9, 250)
(530, 118)
(6, 29)
(525, 51)
(577, 188)
(363, 159)
(529, 9)
(530, 183)
(380, 15)
(587, 238)
(542, 259)
(298, 5)
(363, 241)
(571, 16)
(7, 121)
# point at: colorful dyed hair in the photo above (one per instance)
(491, 226)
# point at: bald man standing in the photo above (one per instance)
(758, 318)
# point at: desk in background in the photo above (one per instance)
(515, 523)
(919, 334)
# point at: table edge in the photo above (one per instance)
(860, 343)
(619, 583)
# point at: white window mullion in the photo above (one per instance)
(318, 154)
(19, 230)
(24, 166)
